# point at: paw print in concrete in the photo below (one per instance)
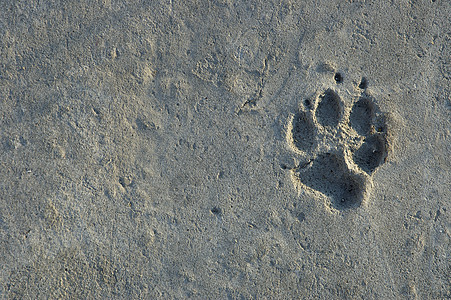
(339, 147)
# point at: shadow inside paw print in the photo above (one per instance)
(361, 115)
(339, 174)
(329, 175)
(328, 111)
(372, 152)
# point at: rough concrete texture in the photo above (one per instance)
(225, 149)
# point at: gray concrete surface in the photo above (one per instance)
(225, 149)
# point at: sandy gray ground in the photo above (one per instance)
(225, 149)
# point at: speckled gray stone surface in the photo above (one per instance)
(225, 149)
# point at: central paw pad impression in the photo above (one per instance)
(340, 148)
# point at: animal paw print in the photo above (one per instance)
(340, 147)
